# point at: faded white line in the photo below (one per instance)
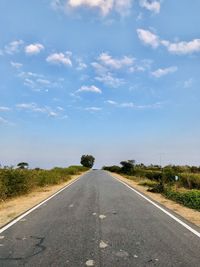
(160, 208)
(35, 207)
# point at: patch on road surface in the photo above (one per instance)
(89, 263)
(102, 216)
(122, 254)
(102, 244)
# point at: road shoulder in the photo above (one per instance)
(190, 215)
(14, 207)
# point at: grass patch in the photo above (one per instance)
(15, 182)
(148, 183)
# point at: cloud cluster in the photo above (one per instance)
(120, 6)
(13, 47)
(115, 63)
(179, 48)
(38, 82)
(105, 7)
(106, 65)
(133, 105)
(33, 107)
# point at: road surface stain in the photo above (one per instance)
(102, 244)
(89, 263)
(102, 216)
(122, 254)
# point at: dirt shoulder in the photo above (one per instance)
(189, 214)
(12, 208)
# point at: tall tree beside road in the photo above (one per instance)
(22, 165)
(87, 161)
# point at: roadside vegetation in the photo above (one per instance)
(178, 183)
(22, 180)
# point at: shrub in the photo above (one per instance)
(113, 168)
(189, 199)
(127, 167)
(157, 188)
(15, 182)
(153, 175)
(190, 180)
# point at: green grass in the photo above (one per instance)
(15, 182)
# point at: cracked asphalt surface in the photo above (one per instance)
(98, 221)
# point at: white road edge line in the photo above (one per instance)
(37, 206)
(160, 208)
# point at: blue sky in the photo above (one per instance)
(118, 79)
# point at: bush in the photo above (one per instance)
(113, 168)
(14, 182)
(189, 199)
(190, 180)
(153, 175)
(157, 188)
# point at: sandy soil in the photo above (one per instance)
(189, 214)
(12, 208)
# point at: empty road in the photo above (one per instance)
(98, 221)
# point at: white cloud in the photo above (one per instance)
(179, 48)
(153, 6)
(162, 72)
(34, 49)
(105, 7)
(183, 47)
(43, 82)
(111, 102)
(13, 47)
(4, 109)
(60, 59)
(33, 107)
(111, 62)
(16, 65)
(93, 109)
(148, 38)
(110, 80)
(38, 82)
(132, 105)
(92, 89)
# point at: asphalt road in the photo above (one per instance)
(98, 221)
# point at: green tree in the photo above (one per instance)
(127, 166)
(22, 165)
(87, 161)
